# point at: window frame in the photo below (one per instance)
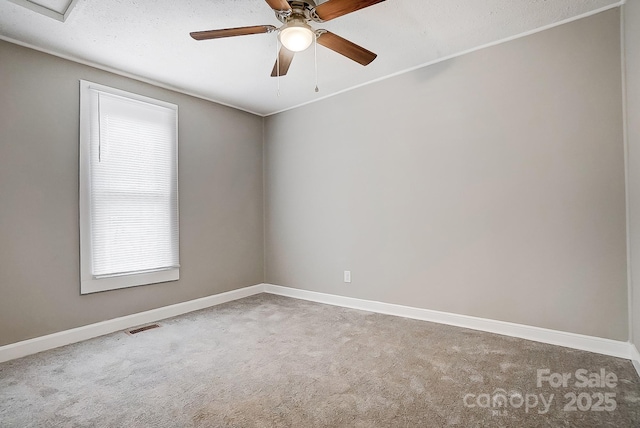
(89, 283)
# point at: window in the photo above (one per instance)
(128, 189)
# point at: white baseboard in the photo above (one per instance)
(598, 345)
(55, 340)
(635, 357)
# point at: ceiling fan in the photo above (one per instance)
(297, 35)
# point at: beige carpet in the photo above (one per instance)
(270, 361)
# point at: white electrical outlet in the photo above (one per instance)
(347, 276)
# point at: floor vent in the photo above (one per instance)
(141, 329)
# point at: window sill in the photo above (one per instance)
(91, 285)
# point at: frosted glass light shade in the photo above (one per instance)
(296, 36)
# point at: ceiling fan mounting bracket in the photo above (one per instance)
(303, 10)
(282, 15)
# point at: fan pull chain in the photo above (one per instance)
(278, 66)
(315, 57)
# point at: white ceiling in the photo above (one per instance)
(150, 39)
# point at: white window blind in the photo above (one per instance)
(132, 188)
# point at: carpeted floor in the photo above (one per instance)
(270, 361)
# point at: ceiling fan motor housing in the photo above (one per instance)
(305, 10)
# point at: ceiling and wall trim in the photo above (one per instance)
(468, 51)
(123, 73)
(59, 15)
(213, 100)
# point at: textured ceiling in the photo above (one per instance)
(150, 39)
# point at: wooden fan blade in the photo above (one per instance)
(335, 8)
(346, 48)
(231, 32)
(279, 4)
(285, 56)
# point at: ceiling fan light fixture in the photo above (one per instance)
(296, 36)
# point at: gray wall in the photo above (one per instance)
(221, 210)
(489, 185)
(632, 58)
